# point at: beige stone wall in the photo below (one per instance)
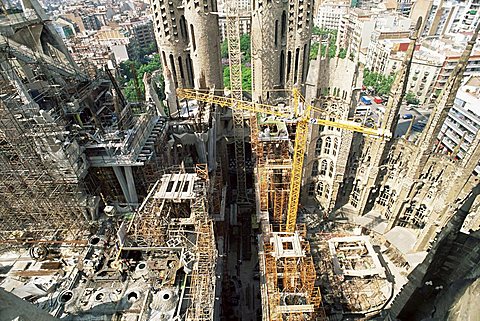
(329, 148)
(280, 34)
(189, 42)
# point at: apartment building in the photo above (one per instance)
(463, 120)
(447, 17)
(451, 60)
(358, 27)
(245, 26)
(330, 14)
(143, 34)
(433, 62)
(423, 73)
(385, 56)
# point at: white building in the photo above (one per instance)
(245, 26)
(447, 17)
(329, 15)
(463, 120)
(385, 56)
(358, 27)
(241, 5)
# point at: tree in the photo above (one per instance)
(331, 35)
(381, 83)
(245, 47)
(246, 78)
(314, 50)
(129, 83)
(316, 31)
(342, 53)
(224, 49)
(411, 99)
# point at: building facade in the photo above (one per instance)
(281, 34)
(463, 120)
(189, 42)
(329, 15)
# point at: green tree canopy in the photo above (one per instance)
(325, 34)
(129, 83)
(246, 77)
(381, 83)
(410, 98)
(245, 48)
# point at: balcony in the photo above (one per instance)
(468, 124)
(453, 136)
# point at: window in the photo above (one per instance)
(355, 194)
(391, 201)
(192, 37)
(384, 196)
(323, 169)
(406, 218)
(335, 146)
(419, 218)
(330, 170)
(430, 194)
(327, 190)
(318, 147)
(320, 189)
(331, 127)
(328, 144)
(315, 168)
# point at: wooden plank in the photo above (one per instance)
(36, 272)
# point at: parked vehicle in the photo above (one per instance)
(366, 100)
(407, 116)
(362, 110)
(378, 100)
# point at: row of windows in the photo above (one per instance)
(337, 92)
(288, 62)
(325, 166)
(414, 216)
(323, 189)
(327, 146)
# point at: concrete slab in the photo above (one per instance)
(402, 238)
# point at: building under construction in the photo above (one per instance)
(216, 204)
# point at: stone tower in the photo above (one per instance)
(375, 151)
(281, 32)
(188, 38)
(329, 147)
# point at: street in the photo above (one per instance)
(420, 118)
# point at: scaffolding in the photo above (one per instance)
(38, 201)
(290, 278)
(203, 274)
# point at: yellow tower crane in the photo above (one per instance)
(302, 116)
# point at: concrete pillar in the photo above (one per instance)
(123, 183)
(200, 147)
(131, 184)
(212, 146)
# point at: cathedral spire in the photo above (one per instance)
(380, 147)
(445, 101)
(399, 85)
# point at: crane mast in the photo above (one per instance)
(235, 62)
